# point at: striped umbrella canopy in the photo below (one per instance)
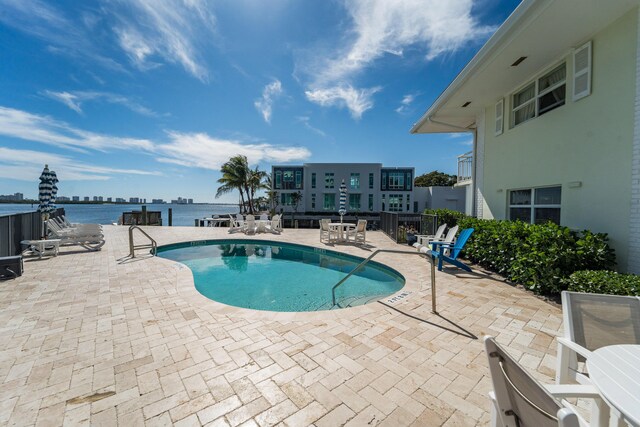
(45, 189)
(54, 191)
(343, 200)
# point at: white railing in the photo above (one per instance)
(465, 167)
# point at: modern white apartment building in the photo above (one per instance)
(371, 187)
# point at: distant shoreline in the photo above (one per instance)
(35, 202)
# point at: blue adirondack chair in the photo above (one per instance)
(437, 250)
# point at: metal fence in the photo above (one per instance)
(397, 225)
(23, 226)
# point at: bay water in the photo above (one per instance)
(183, 214)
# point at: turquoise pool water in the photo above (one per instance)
(274, 276)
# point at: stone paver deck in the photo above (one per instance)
(89, 340)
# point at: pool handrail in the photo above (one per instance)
(153, 245)
(393, 251)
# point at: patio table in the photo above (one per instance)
(615, 372)
(343, 229)
(41, 247)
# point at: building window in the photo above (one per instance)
(328, 180)
(535, 205)
(396, 181)
(286, 199)
(313, 180)
(370, 181)
(355, 181)
(395, 202)
(383, 202)
(539, 97)
(313, 200)
(408, 202)
(329, 202)
(371, 202)
(288, 178)
(354, 202)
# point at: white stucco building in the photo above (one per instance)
(553, 103)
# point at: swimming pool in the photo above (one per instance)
(275, 276)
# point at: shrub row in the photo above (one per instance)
(538, 256)
(446, 216)
(604, 282)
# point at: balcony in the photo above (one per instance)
(465, 167)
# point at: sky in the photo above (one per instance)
(148, 98)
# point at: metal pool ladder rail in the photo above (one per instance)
(153, 245)
(393, 251)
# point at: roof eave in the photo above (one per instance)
(483, 54)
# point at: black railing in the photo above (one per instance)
(397, 225)
(21, 226)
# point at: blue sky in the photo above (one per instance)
(126, 98)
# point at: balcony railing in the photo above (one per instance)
(465, 167)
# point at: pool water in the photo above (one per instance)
(274, 276)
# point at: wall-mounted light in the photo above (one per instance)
(575, 184)
(518, 61)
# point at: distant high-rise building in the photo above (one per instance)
(63, 199)
(190, 201)
(157, 201)
(86, 198)
(95, 198)
(120, 200)
(134, 199)
(16, 197)
(76, 198)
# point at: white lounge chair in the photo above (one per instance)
(60, 225)
(90, 241)
(326, 231)
(359, 234)
(236, 224)
(424, 239)
(518, 399)
(591, 321)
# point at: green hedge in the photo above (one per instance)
(446, 216)
(537, 256)
(604, 282)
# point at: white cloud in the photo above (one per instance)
(46, 130)
(203, 151)
(26, 165)
(407, 100)
(305, 120)
(382, 27)
(265, 104)
(75, 99)
(357, 101)
(171, 29)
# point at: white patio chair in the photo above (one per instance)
(264, 217)
(359, 234)
(424, 239)
(325, 231)
(59, 224)
(591, 321)
(250, 226)
(449, 238)
(274, 225)
(518, 400)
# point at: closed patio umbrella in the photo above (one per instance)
(343, 200)
(45, 190)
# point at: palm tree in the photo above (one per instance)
(255, 182)
(272, 194)
(234, 177)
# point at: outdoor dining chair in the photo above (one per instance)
(592, 321)
(518, 400)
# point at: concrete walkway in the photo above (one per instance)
(90, 340)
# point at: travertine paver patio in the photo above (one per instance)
(88, 340)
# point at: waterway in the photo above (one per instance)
(183, 215)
